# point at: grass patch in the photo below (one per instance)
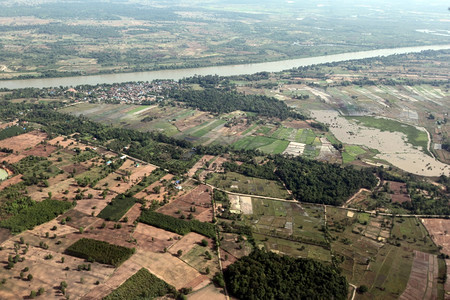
(178, 226)
(277, 147)
(249, 129)
(201, 132)
(37, 214)
(100, 251)
(142, 285)
(119, 206)
(236, 182)
(137, 109)
(253, 142)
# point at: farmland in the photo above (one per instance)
(86, 205)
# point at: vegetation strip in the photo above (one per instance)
(100, 251)
(176, 225)
(142, 284)
(36, 214)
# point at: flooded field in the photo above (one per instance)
(391, 145)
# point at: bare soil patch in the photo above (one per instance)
(153, 239)
(208, 293)
(62, 141)
(201, 163)
(41, 150)
(422, 283)
(188, 242)
(13, 180)
(167, 267)
(439, 230)
(400, 192)
(120, 275)
(13, 158)
(296, 124)
(196, 202)
(48, 273)
(24, 141)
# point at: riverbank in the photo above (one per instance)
(227, 70)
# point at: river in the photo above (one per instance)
(228, 70)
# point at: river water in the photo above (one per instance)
(229, 70)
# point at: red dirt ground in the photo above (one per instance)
(199, 198)
(422, 283)
(439, 230)
(400, 192)
(13, 158)
(10, 181)
(21, 142)
(41, 150)
(153, 239)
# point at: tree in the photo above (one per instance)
(362, 289)
(204, 243)
(30, 277)
(179, 253)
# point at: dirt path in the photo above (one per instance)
(345, 205)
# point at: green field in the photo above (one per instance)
(138, 109)
(414, 136)
(276, 147)
(266, 144)
(100, 251)
(248, 185)
(204, 130)
(142, 284)
(118, 207)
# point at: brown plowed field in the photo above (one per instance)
(13, 158)
(167, 267)
(21, 142)
(41, 150)
(10, 181)
(400, 194)
(125, 271)
(439, 230)
(208, 293)
(422, 283)
(199, 198)
(153, 239)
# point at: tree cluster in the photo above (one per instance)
(266, 275)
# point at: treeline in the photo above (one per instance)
(34, 215)
(317, 182)
(310, 181)
(178, 226)
(12, 131)
(100, 251)
(266, 275)
(219, 101)
(169, 153)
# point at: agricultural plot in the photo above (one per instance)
(154, 239)
(129, 174)
(118, 206)
(235, 182)
(423, 279)
(399, 192)
(351, 152)
(169, 268)
(196, 204)
(141, 283)
(194, 254)
(288, 224)
(439, 231)
(24, 141)
(46, 274)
